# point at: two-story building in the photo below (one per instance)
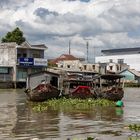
(69, 62)
(17, 61)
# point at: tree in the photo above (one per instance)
(15, 36)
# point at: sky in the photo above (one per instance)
(104, 24)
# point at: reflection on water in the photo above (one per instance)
(19, 121)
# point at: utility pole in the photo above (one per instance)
(87, 47)
(94, 54)
(69, 47)
(87, 50)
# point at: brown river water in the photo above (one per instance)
(18, 121)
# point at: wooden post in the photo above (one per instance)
(15, 84)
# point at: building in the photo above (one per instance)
(17, 61)
(131, 75)
(129, 56)
(90, 67)
(69, 62)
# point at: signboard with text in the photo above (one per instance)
(26, 61)
(40, 62)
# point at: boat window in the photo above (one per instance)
(54, 81)
(110, 60)
(68, 66)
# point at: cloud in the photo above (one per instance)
(106, 24)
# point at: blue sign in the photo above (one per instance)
(26, 61)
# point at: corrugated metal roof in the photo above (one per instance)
(133, 71)
(39, 46)
(121, 50)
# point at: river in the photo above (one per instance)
(18, 121)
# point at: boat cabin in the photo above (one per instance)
(33, 80)
(111, 80)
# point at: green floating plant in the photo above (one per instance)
(90, 138)
(64, 103)
(134, 127)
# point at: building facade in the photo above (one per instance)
(129, 56)
(69, 62)
(17, 61)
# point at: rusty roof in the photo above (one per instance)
(64, 57)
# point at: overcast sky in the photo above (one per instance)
(105, 23)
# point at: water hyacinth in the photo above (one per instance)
(65, 103)
(134, 127)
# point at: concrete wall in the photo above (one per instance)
(8, 54)
(77, 65)
(71, 64)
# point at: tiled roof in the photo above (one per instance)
(64, 57)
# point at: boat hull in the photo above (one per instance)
(113, 94)
(42, 93)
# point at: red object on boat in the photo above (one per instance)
(85, 90)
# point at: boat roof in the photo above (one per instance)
(78, 80)
(43, 72)
(111, 76)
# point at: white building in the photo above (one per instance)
(129, 56)
(69, 62)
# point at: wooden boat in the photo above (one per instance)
(42, 86)
(78, 87)
(110, 87)
(107, 86)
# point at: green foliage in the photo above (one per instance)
(90, 138)
(15, 36)
(39, 108)
(64, 103)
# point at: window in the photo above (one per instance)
(120, 61)
(68, 66)
(24, 55)
(36, 55)
(118, 68)
(85, 67)
(22, 74)
(18, 55)
(93, 67)
(110, 67)
(4, 70)
(110, 60)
